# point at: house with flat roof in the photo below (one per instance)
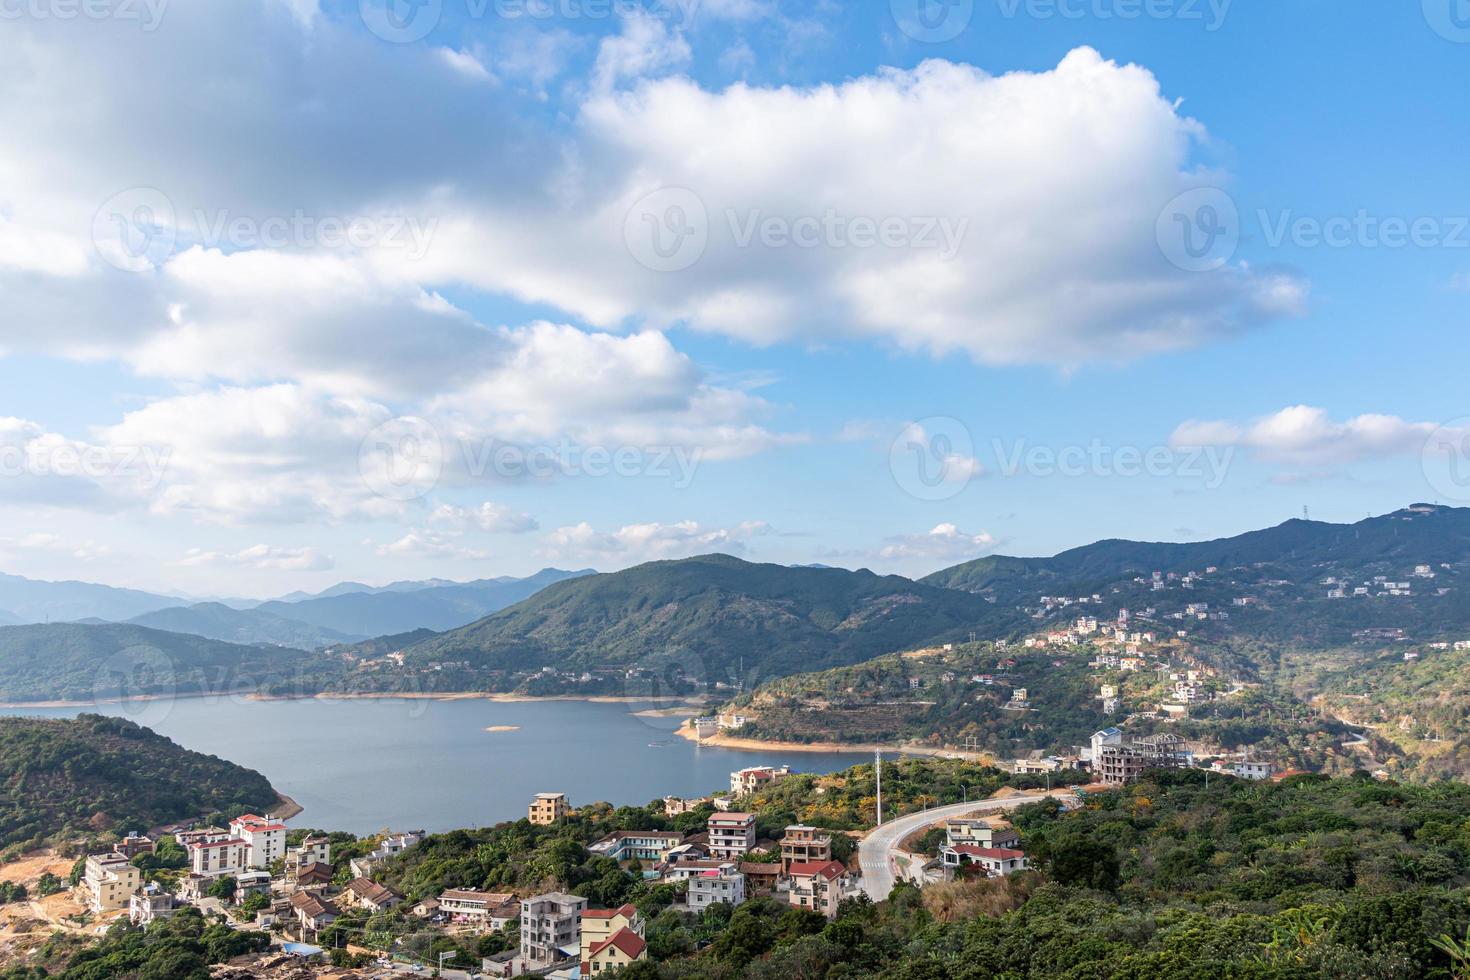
(551, 929)
(110, 881)
(645, 845)
(547, 808)
(731, 835)
(804, 845)
(723, 884)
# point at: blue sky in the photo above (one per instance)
(224, 394)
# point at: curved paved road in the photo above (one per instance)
(876, 854)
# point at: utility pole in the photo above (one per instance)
(878, 766)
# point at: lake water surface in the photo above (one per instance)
(365, 765)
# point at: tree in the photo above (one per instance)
(1085, 863)
(223, 889)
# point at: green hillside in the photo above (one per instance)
(76, 661)
(216, 621)
(93, 774)
(709, 615)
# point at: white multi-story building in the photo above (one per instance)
(551, 929)
(219, 857)
(723, 884)
(731, 835)
(265, 838)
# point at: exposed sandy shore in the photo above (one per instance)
(289, 808)
(503, 728)
(455, 696)
(250, 695)
(761, 745)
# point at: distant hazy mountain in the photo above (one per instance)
(716, 614)
(74, 661)
(406, 606)
(217, 621)
(30, 601)
(1418, 534)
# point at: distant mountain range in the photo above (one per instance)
(24, 600)
(400, 609)
(218, 621)
(345, 613)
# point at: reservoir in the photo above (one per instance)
(366, 765)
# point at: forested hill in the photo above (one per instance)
(94, 773)
(709, 615)
(1418, 534)
(81, 661)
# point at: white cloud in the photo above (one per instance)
(1048, 184)
(424, 543)
(262, 556)
(1303, 434)
(648, 542)
(945, 542)
(40, 541)
(645, 47)
(488, 516)
(465, 63)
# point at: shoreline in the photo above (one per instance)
(686, 732)
(251, 695)
(288, 807)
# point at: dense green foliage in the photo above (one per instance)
(177, 948)
(78, 661)
(1307, 878)
(708, 616)
(94, 773)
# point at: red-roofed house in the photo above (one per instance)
(614, 953)
(997, 861)
(266, 838)
(600, 925)
(819, 885)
